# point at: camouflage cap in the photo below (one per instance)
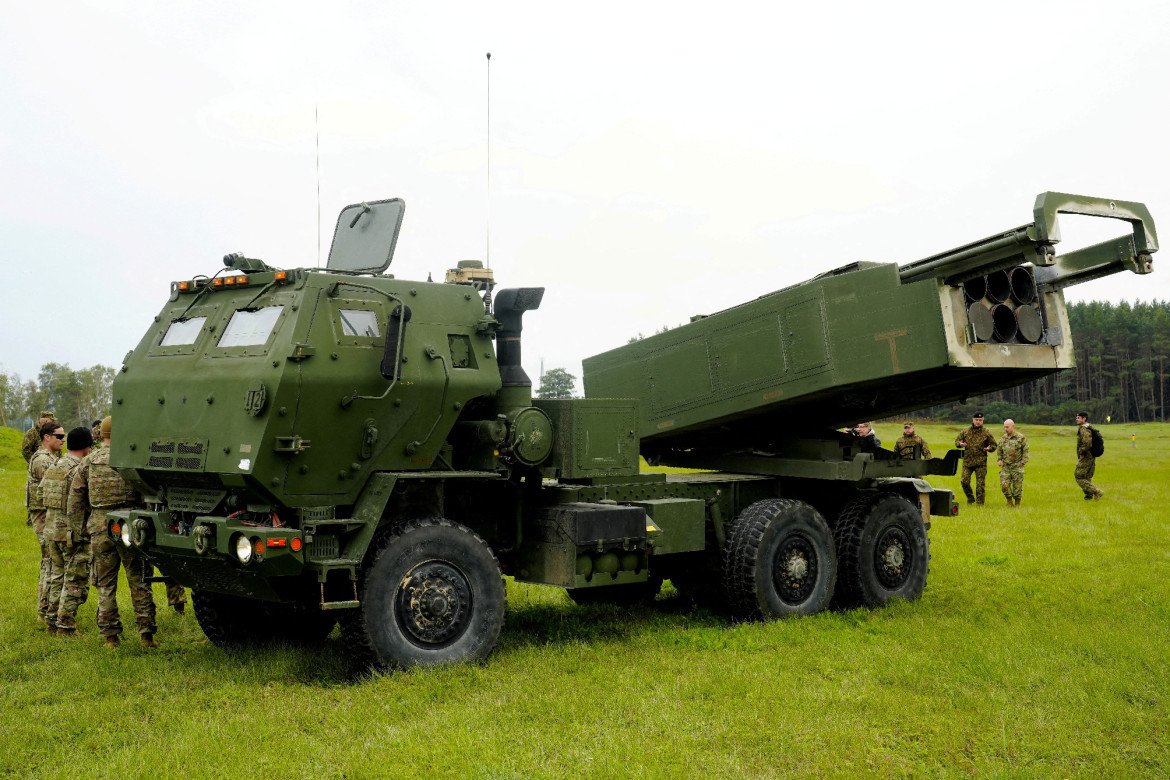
(49, 415)
(908, 424)
(106, 424)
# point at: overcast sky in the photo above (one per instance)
(649, 161)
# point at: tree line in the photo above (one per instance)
(1122, 353)
(75, 396)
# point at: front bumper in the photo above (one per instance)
(203, 555)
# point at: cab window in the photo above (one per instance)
(250, 327)
(182, 332)
(358, 322)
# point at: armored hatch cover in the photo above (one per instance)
(365, 236)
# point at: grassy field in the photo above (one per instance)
(1039, 649)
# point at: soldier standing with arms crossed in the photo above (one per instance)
(52, 440)
(1013, 456)
(95, 490)
(975, 442)
(1086, 463)
(69, 551)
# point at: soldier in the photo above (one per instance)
(975, 442)
(905, 445)
(1013, 456)
(69, 553)
(1086, 463)
(94, 491)
(865, 432)
(176, 597)
(96, 430)
(52, 439)
(32, 437)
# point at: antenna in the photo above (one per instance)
(317, 134)
(488, 237)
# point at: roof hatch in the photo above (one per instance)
(366, 233)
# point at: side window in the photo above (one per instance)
(182, 332)
(250, 327)
(358, 322)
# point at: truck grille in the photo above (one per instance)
(323, 548)
(178, 454)
(192, 499)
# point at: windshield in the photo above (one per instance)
(250, 327)
(182, 332)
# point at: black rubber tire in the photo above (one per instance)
(702, 590)
(779, 561)
(626, 595)
(431, 593)
(302, 625)
(883, 551)
(231, 621)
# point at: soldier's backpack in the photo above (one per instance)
(1097, 445)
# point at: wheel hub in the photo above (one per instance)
(893, 557)
(795, 570)
(433, 603)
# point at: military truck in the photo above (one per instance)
(334, 445)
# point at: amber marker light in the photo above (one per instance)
(230, 280)
(184, 286)
(217, 282)
(241, 280)
(116, 529)
(296, 544)
(282, 276)
(258, 547)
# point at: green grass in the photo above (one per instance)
(1038, 649)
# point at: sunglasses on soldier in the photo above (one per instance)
(60, 436)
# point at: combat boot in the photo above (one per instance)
(1099, 494)
(68, 633)
(112, 642)
(1010, 501)
(51, 630)
(147, 640)
(1017, 502)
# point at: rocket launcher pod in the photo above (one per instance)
(866, 341)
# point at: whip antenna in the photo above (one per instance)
(317, 134)
(488, 237)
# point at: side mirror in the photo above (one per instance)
(395, 340)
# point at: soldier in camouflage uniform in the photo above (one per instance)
(1086, 463)
(1013, 456)
(176, 597)
(905, 445)
(97, 489)
(975, 442)
(69, 551)
(32, 437)
(52, 439)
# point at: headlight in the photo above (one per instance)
(243, 548)
(125, 533)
